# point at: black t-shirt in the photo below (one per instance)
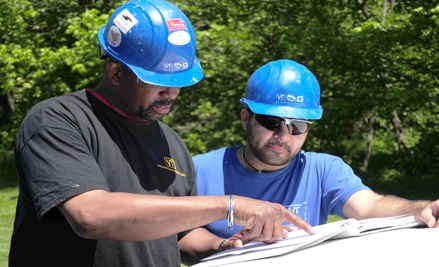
(76, 143)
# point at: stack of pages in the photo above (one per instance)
(301, 240)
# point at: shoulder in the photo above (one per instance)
(66, 99)
(323, 163)
(322, 158)
(217, 154)
(59, 105)
(55, 112)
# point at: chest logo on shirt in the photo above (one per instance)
(170, 163)
(299, 209)
(170, 166)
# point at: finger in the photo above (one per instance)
(241, 236)
(237, 244)
(267, 233)
(253, 232)
(273, 231)
(427, 216)
(298, 222)
(232, 244)
(290, 228)
(285, 233)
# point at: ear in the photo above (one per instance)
(115, 71)
(245, 117)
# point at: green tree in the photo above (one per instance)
(47, 48)
(376, 61)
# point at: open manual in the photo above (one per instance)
(300, 239)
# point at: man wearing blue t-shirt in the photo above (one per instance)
(282, 100)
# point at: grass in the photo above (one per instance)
(8, 202)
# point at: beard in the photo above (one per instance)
(147, 113)
(264, 154)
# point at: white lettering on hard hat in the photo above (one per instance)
(179, 38)
(114, 36)
(289, 98)
(175, 66)
(280, 97)
(292, 98)
(125, 21)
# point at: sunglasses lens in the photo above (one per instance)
(272, 123)
(269, 122)
(298, 127)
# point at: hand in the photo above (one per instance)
(430, 214)
(262, 220)
(236, 240)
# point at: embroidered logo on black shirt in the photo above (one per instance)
(170, 166)
(170, 163)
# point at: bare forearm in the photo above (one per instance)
(124, 216)
(99, 214)
(367, 204)
(392, 205)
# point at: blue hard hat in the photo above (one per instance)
(284, 88)
(154, 39)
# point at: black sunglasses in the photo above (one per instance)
(272, 123)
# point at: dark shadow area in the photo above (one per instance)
(8, 174)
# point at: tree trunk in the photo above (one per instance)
(398, 130)
(7, 106)
(370, 126)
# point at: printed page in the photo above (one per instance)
(300, 239)
(296, 240)
(373, 225)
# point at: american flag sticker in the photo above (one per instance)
(176, 24)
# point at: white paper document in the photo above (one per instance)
(300, 239)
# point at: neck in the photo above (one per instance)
(246, 164)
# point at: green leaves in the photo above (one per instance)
(372, 60)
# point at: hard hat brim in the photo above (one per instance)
(178, 79)
(283, 111)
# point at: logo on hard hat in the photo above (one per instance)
(176, 24)
(292, 98)
(289, 98)
(179, 38)
(125, 21)
(175, 66)
(114, 36)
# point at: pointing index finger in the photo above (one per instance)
(298, 222)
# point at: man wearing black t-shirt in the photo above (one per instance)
(103, 182)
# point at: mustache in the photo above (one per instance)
(277, 143)
(166, 102)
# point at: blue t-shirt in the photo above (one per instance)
(313, 185)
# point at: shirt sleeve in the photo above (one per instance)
(56, 162)
(339, 184)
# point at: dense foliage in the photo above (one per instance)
(377, 62)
